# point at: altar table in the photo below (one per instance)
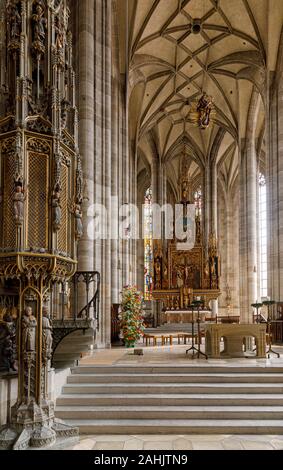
(233, 335)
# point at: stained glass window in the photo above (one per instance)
(198, 201)
(148, 245)
(263, 235)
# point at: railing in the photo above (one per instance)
(79, 299)
(79, 306)
(91, 281)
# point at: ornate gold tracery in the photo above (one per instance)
(9, 230)
(37, 201)
(63, 245)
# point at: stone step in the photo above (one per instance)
(171, 412)
(151, 426)
(186, 369)
(212, 388)
(176, 399)
(70, 350)
(184, 399)
(70, 340)
(174, 378)
(75, 349)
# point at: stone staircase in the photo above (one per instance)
(72, 347)
(164, 399)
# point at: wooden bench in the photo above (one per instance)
(167, 338)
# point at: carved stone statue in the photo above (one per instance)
(8, 343)
(40, 22)
(78, 222)
(185, 191)
(165, 276)
(59, 33)
(19, 199)
(56, 209)
(187, 296)
(79, 186)
(206, 270)
(188, 270)
(157, 273)
(64, 113)
(198, 229)
(180, 280)
(15, 21)
(46, 336)
(204, 109)
(29, 325)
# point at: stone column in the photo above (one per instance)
(83, 20)
(207, 204)
(135, 222)
(85, 69)
(154, 182)
(94, 81)
(275, 182)
(124, 183)
(213, 218)
(140, 247)
(115, 137)
(248, 212)
(102, 157)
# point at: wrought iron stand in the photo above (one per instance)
(196, 304)
(269, 304)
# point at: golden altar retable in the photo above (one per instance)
(180, 276)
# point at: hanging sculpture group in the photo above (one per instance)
(202, 112)
(41, 198)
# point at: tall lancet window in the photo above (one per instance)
(198, 201)
(148, 245)
(263, 234)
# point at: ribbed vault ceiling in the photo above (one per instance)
(180, 48)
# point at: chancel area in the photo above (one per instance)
(141, 190)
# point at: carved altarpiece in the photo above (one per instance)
(182, 275)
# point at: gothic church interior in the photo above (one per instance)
(141, 237)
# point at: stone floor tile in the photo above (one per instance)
(277, 444)
(113, 438)
(159, 438)
(182, 444)
(254, 437)
(109, 445)
(161, 445)
(83, 446)
(87, 441)
(133, 444)
(254, 445)
(232, 445)
(277, 438)
(209, 445)
(207, 438)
